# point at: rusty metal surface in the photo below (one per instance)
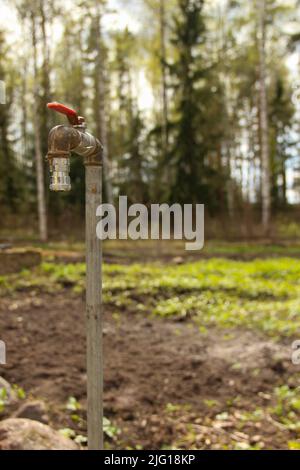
(65, 139)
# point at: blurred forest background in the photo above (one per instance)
(194, 101)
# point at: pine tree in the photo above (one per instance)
(188, 170)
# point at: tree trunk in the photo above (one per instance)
(7, 165)
(24, 110)
(284, 185)
(37, 142)
(100, 105)
(165, 110)
(46, 60)
(264, 125)
(23, 101)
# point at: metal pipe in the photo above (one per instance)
(62, 141)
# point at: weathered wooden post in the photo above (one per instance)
(62, 141)
(93, 309)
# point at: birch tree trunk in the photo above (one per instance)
(24, 112)
(37, 142)
(46, 57)
(46, 60)
(264, 125)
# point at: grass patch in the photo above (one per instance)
(259, 294)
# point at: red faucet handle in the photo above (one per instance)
(72, 116)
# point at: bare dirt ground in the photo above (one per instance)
(166, 383)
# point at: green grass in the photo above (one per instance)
(153, 249)
(256, 249)
(261, 294)
(258, 294)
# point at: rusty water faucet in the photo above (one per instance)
(66, 139)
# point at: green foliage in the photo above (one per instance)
(73, 404)
(210, 403)
(3, 398)
(21, 394)
(262, 294)
(110, 429)
(71, 434)
(287, 406)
